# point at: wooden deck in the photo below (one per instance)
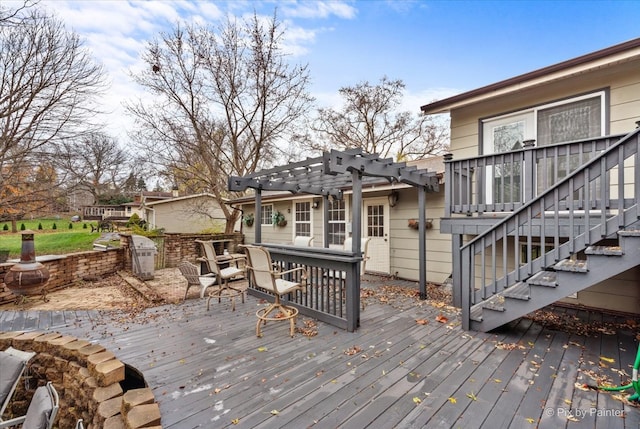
(208, 369)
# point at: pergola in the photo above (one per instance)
(333, 172)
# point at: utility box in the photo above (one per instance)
(143, 253)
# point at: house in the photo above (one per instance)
(542, 189)
(389, 218)
(186, 214)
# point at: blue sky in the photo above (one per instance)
(438, 48)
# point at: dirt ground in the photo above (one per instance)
(117, 291)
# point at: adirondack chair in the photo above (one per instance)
(190, 272)
(265, 276)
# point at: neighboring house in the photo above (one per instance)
(389, 218)
(187, 214)
(126, 210)
(542, 189)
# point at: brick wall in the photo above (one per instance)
(88, 379)
(65, 270)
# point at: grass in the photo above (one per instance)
(49, 241)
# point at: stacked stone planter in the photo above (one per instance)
(88, 379)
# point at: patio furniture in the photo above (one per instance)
(266, 276)
(191, 273)
(302, 241)
(42, 411)
(364, 245)
(224, 267)
(13, 364)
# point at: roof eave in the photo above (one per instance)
(614, 52)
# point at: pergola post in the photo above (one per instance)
(258, 216)
(325, 220)
(422, 241)
(356, 210)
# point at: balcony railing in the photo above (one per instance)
(599, 198)
(332, 294)
(504, 182)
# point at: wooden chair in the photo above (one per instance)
(265, 276)
(190, 272)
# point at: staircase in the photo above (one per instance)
(589, 227)
(556, 282)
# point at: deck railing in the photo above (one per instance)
(503, 182)
(597, 199)
(332, 294)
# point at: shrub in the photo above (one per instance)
(22, 227)
(133, 220)
(5, 227)
(84, 226)
(39, 225)
(54, 226)
(70, 225)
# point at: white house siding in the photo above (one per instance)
(620, 293)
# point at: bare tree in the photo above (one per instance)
(224, 99)
(15, 15)
(370, 120)
(95, 164)
(47, 84)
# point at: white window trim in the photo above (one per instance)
(263, 208)
(295, 221)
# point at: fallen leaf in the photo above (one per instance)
(572, 418)
(606, 359)
(442, 319)
(262, 349)
(452, 400)
(497, 380)
(235, 421)
(567, 401)
(530, 420)
(422, 321)
(416, 400)
(274, 412)
(472, 396)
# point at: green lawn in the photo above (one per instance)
(49, 241)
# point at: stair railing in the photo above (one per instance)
(595, 201)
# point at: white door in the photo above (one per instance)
(376, 227)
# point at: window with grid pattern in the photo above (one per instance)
(303, 219)
(266, 215)
(337, 222)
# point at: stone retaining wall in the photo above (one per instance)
(88, 379)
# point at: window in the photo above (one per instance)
(303, 219)
(336, 222)
(375, 220)
(265, 214)
(577, 118)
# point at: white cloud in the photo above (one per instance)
(319, 9)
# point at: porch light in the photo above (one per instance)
(315, 204)
(393, 198)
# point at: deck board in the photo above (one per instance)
(207, 369)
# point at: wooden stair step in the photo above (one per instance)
(543, 278)
(576, 266)
(476, 312)
(604, 250)
(518, 291)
